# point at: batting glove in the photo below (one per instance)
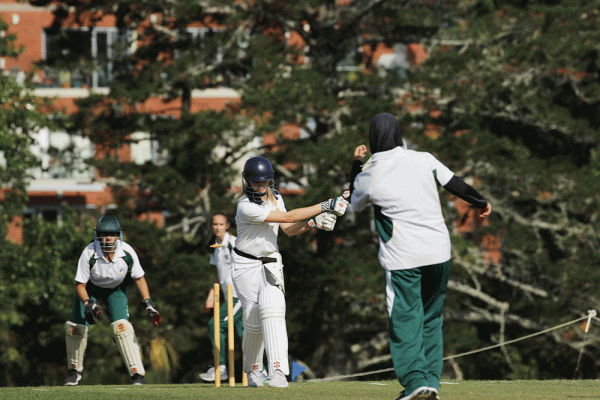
(152, 312)
(92, 312)
(325, 221)
(337, 205)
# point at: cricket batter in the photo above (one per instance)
(105, 270)
(258, 270)
(223, 260)
(414, 248)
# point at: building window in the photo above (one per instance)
(83, 58)
(62, 155)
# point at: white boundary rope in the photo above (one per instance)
(591, 315)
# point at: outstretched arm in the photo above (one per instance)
(463, 190)
(295, 228)
(337, 206)
(294, 216)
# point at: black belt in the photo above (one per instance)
(265, 260)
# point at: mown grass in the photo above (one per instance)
(362, 390)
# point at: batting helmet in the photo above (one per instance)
(107, 232)
(257, 169)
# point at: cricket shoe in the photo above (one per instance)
(256, 378)
(278, 379)
(422, 393)
(73, 378)
(436, 394)
(209, 376)
(138, 379)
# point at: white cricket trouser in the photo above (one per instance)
(264, 319)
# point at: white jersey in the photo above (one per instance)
(108, 274)
(223, 260)
(402, 186)
(255, 236)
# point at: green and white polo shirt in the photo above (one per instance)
(402, 185)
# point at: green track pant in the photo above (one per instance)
(115, 301)
(238, 326)
(415, 306)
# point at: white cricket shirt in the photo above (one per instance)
(255, 236)
(107, 274)
(411, 227)
(223, 260)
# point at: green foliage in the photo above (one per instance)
(19, 119)
(36, 293)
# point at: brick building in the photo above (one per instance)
(77, 184)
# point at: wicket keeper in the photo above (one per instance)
(106, 268)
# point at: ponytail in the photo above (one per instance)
(272, 198)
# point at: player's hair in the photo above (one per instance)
(272, 198)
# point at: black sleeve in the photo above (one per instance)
(356, 169)
(460, 188)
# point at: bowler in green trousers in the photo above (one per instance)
(414, 247)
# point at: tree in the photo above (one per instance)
(33, 274)
(509, 96)
(20, 118)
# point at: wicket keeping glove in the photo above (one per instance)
(152, 312)
(325, 221)
(92, 312)
(337, 205)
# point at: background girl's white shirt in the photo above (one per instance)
(222, 258)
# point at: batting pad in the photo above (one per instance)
(76, 344)
(130, 350)
(253, 346)
(271, 308)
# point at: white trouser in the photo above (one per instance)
(264, 318)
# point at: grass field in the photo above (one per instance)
(450, 390)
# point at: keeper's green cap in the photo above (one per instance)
(108, 224)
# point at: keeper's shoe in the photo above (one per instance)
(138, 379)
(436, 394)
(256, 378)
(422, 393)
(278, 379)
(209, 376)
(73, 378)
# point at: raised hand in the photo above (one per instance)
(360, 152)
